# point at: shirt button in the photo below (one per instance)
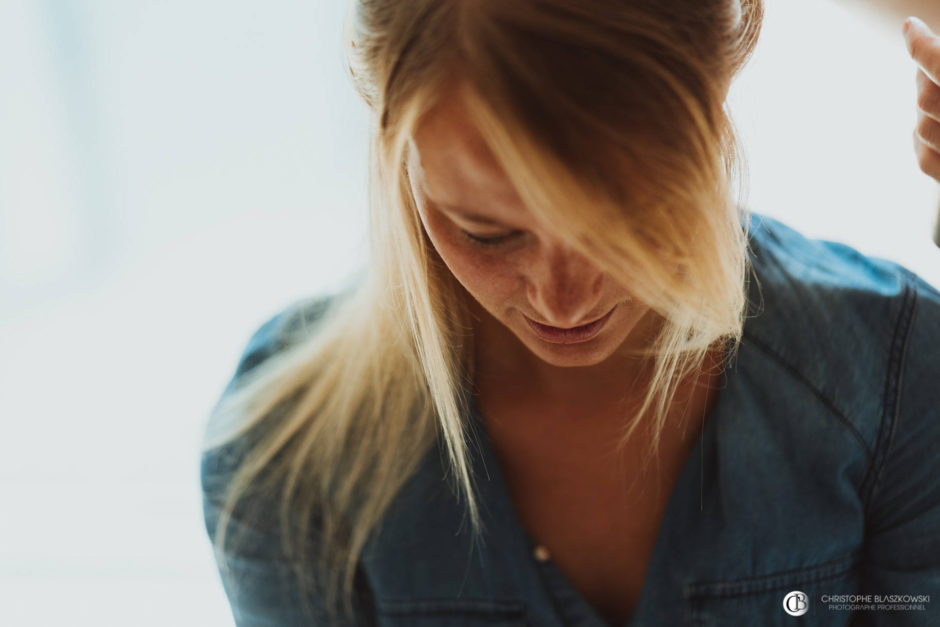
(541, 553)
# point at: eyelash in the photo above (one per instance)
(487, 242)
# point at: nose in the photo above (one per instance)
(564, 287)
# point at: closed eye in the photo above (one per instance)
(488, 242)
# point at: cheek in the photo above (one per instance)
(486, 276)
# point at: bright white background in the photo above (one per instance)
(173, 173)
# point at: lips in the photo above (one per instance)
(568, 336)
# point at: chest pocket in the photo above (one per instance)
(760, 600)
(451, 613)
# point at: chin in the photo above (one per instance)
(583, 354)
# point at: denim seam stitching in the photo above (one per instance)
(773, 581)
(796, 373)
(892, 396)
(469, 606)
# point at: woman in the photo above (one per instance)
(650, 409)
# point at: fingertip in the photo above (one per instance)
(914, 23)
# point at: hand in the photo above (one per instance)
(924, 46)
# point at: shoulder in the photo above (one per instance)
(818, 297)
(278, 332)
(802, 267)
(837, 321)
(264, 578)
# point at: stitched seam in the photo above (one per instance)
(796, 373)
(480, 606)
(892, 395)
(773, 581)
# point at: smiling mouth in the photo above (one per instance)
(571, 335)
(580, 326)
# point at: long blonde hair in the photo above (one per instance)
(614, 107)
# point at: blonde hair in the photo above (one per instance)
(617, 108)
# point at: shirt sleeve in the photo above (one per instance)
(259, 580)
(902, 555)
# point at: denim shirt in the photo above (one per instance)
(814, 485)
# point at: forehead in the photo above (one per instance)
(452, 160)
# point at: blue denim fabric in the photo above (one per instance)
(818, 471)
